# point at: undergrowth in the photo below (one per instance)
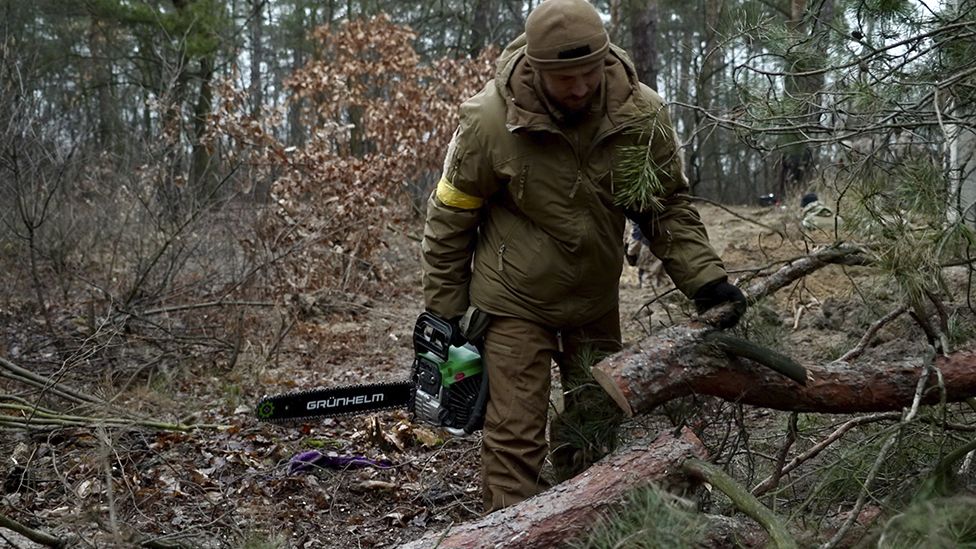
(648, 519)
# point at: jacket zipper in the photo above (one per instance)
(579, 179)
(501, 257)
(522, 177)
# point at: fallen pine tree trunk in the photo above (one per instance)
(681, 361)
(571, 508)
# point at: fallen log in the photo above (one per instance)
(677, 363)
(680, 361)
(571, 508)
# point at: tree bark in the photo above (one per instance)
(481, 26)
(256, 85)
(203, 176)
(679, 361)
(570, 509)
(643, 38)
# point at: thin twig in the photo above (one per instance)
(736, 214)
(44, 417)
(882, 456)
(784, 451)
(27, 376)
(206, 305)
(767, 483)
(36, 536)
(862, 345)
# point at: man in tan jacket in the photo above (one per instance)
(525, 225)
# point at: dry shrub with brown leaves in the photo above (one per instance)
(380, 118)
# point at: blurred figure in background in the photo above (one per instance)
(637, 251)
(816, 216)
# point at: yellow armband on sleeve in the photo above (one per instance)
(449, 195)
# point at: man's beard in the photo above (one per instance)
(573, 117)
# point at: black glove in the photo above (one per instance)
(719, 292)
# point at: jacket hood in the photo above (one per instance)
(515, 77)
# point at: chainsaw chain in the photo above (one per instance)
(265, 408)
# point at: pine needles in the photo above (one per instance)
(648, 519)
(638, 185)
(587, 429)
(940, 522)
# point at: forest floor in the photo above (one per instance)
(227, 483)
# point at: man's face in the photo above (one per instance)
(573, 89)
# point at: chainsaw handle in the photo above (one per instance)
(433, 334)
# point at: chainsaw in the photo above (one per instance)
(448, 387)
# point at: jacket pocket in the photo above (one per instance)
(531, 263)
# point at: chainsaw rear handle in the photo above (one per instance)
(433, 334)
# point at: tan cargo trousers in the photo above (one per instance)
(518, 357)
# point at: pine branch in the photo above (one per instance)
(742, 499)
(639, 186)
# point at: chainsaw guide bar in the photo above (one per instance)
(335, 402)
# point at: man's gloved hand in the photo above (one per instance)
(469, 327)
(719, 292)
(473, 324)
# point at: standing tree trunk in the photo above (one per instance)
(705, 160)
(108, 123)
(643, 39)
(256, 88)
(809, 32)
(481, 26)
(962, 150)
(962, 162)
(202, 172)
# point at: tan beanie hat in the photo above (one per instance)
(565, 33)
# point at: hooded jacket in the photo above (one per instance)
(523, 222)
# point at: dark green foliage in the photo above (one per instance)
(886, 8)
(200, 23)
(586, 429)
(585, 432)
(915, 468)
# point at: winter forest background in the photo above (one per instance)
(197, 196)
(324, 118)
